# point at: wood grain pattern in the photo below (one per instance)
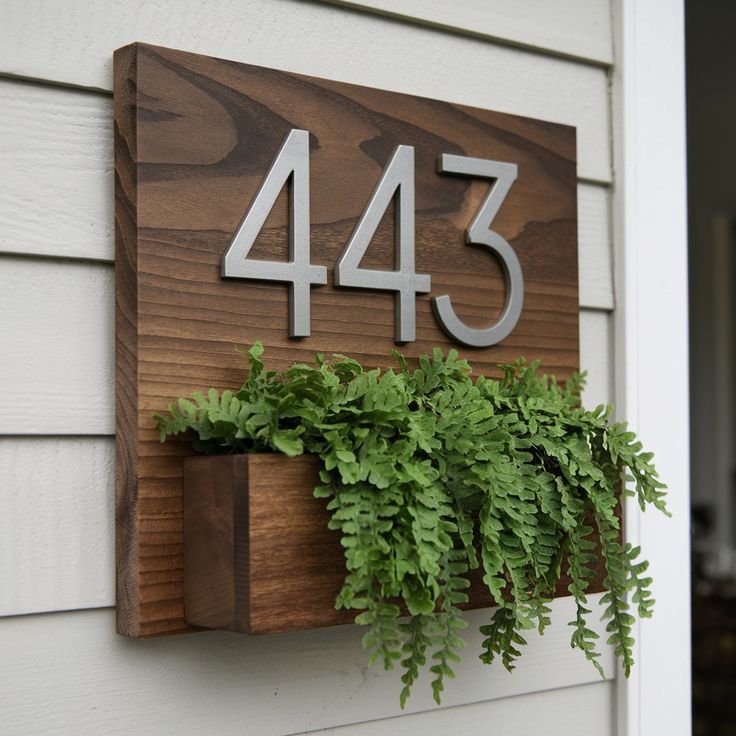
(129, 558)
(252, 564)
(194, 137)
(258, 565)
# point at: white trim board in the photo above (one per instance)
(651, 342)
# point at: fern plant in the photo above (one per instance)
(428, 474)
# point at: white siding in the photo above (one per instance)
(51, 136)
(57, 366)
(573, 711)
(56, 168)
(575, 28)
(594, 247)
(57, 528)
(63, 559)
(71, 41)
(69, 672)
(58, 336)
(595, 351)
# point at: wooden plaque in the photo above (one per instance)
(194, 138)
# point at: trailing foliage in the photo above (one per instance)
(428, 474)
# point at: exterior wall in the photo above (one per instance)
(66, 671)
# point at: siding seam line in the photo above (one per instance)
(448, 29)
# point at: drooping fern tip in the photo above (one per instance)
(429, 473)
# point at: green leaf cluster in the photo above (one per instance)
(428, 474)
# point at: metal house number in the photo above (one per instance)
(397, 180)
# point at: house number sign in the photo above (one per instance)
(316, 217)
(397, 180)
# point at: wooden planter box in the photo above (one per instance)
(258, 556)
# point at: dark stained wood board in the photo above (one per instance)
(260, 566)
(194, 137)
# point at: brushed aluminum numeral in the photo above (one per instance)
(396, 182)
(397, 179)
(291, 164)
(479, 233)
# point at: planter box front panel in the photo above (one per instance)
(194, 139)
(258, 556)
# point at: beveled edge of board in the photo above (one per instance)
(126, 341)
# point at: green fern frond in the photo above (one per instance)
(428, 473)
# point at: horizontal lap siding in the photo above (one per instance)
(57, 528)
(58, 336)
(58, 199)
(70, 667)
(570, 711)
(56, 166)
(62, 559)
(56, 364)
(574, 28)
(72, 41)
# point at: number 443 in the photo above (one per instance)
(292, 164)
